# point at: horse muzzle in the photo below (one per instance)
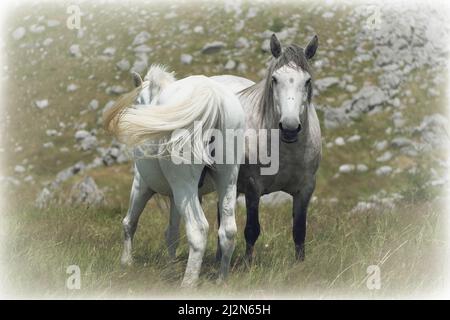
(289, 136)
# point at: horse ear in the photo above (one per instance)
(137, 80)
(275, 46)
(311, 48)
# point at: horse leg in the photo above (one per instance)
(186, 201)
(218, 250)
(173, 230)
(140, 194)
(252, 227)
(226, 178)
(299, 213)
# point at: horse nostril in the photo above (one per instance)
(299, 128)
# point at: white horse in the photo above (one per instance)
(171, 105)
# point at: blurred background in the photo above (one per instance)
(380, 90)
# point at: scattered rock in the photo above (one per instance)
(186, 58)
(86, 192)
(19, 33)
(72, 87)
(44, 198)
(242, 43)
(385, 157)
(325, 83)
(384, 171)
(123, 65)
(75, 51)
(41, 104)
(339, 141)
(230, 65)
(93, 105)
(362, 168)
(347, 168)
(213, 47)
(141, 38)
(19, 169)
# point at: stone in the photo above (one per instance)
(186, 58)
(43, 199)
(86, 192)
(400, 142)
(109, 52)
(339, 141)
(141, 38)
(213, 47)
(385, 157)
(381, 145)
(89, 143)
(347, 168)
(93, 105)
(123, 65)
(19, 169)
(325, 83)
(81, 134)
(354, 138)
(75, 51)
(230, 65)
(41, 104)
(361, 168)
(72, 87)
(242, 43)
(19, 33)
(384, 171)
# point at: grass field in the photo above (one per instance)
(408, 242)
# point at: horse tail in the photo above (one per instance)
(200, 111)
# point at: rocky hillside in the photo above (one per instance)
(380, 90)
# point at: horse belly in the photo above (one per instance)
(153, 176)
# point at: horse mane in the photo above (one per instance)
(156, 79)
(158, 76)
(261, 94)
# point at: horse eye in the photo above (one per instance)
(274, 80)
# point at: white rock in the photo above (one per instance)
(93, 105)
(213, 47)
(75, 51)
(19, 33)
(381, 145)
(230, 65)
(72, 87)
(384, 171)
(385, 157)
(19, 169)
(339, 141)
(123, 65)
(347, 168)
(81, 134)
(199, 29)
(361, 168)
(141, 38)
(242, 42)
(41, 104)
(110, 51)
(52, 23)
(186, 58)
(354, 138)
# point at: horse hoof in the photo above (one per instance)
(126, 261)
(299, 254)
